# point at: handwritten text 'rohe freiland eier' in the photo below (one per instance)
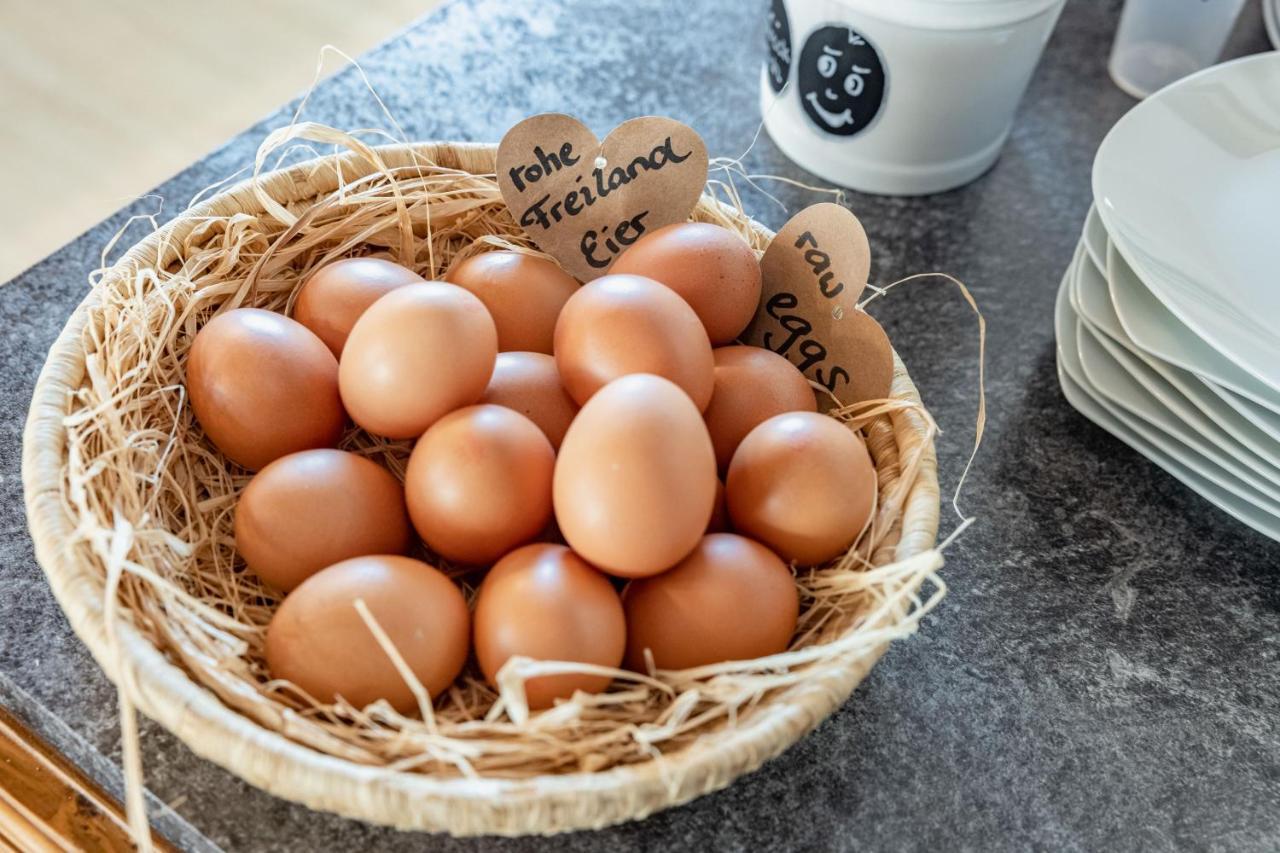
(584, 202)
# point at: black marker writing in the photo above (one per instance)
(820, 262)
(811, 352)
(545, 165)
(543, 212)
(627, 232)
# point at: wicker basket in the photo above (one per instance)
(163, 689)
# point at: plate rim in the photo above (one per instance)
(1220, 498)
(1117, 233)
(1263, 448)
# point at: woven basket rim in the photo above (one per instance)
(273, 762)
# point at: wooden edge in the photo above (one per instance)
(47, 803)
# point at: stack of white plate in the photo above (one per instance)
(1168, 319)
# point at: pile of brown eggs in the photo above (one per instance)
(570, 445)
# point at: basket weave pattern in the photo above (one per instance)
(134, 539)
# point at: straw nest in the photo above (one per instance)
(131, 512)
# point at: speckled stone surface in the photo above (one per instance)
(1105, 672)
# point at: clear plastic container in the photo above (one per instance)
(907, 97)
(1160, 41)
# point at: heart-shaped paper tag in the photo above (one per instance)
(584, 202)
(813, 273)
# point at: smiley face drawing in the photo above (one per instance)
(841, 81)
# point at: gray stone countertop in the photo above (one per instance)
(1105, 672)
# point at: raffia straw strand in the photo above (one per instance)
(980, 421)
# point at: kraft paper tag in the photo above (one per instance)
(813, 273)
(584, 202)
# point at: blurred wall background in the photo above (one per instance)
(102, 100)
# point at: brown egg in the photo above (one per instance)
(529, 383)
(635, 482)
(318, 640)
(752, 385)
(712, 269)
(803, 484)
(544, 602)
(621, 324)
(335, 296)
(719, 522)
(262, 386)
(524, 293)
(311, 509)
(479, 483)
(731, 599)
(417, 354)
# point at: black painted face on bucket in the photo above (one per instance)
(777, 42)
(841, 81)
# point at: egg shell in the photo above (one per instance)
(712, 268)
(318, 640)
(415, 355)
(623, 324)
(263, 386)
(334, 296)
(479, 483)
(311, 509)
(751, 385)
(524, 294)
(635, 481)
(529, 383)
(802, 484)
(731, 599)
(545, 602)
